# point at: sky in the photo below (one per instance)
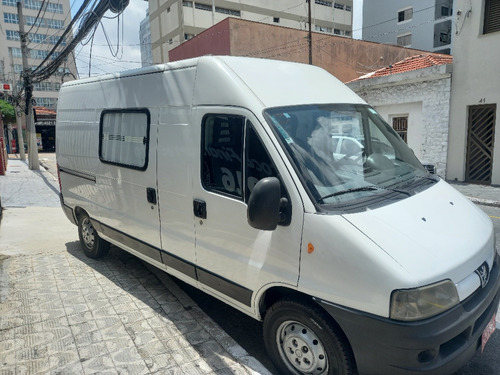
(98, 58)
(123, 34)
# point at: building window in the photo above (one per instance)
(230, 12)
(188, 36)
(325, 3)
(168, 10)
(348, 8)
(12, 35)
(10, 18)
(55, 8)
(338, 6)
(400, 125)
(11, 3)
(188, 4)
(405, 15)
(323, 29)
(404, 40)
(55, 24)
(16, 52)
(32, 4)
(124, 137)
(442, 34)
(203, 7)
(491, 16)
(46, 102)
(276, 19)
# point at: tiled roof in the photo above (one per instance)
(42, 111)
(410, 63)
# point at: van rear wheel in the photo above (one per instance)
(301, 339)
(93, 246)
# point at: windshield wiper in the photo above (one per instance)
(365, 188)
(352, 190)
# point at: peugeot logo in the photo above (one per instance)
(484, 274)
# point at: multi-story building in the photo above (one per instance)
(44, 21)
(420, 24)
(145, 38)
(175, 21)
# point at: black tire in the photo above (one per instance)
(300, 338)
(93, 246)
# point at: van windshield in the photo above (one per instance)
(347, 154)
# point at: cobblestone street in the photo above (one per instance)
(63, 313)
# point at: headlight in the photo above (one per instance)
(423, 302)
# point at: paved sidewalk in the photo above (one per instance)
(63, 313)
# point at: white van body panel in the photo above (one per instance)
(431, 242)
(231, 79)
(408, 243)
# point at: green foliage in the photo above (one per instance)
(8, 112)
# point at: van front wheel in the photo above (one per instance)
(301, 339)
(93, 246)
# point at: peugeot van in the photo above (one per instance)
(221, 171)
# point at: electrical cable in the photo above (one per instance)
(88, 22)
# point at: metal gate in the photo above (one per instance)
(480, 140)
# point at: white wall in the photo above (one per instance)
(476, 81)
(415, 131)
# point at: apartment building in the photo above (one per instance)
(45, 21)
(173, 22)
(420, 24)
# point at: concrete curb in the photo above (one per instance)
(484, 202)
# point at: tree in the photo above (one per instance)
(8, 112)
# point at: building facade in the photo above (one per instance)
(44, 21)
(474, 141)
(145, 38)
(413, 96)
(420, 24)
(345, 58)
(175, 21)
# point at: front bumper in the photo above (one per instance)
(437, 345)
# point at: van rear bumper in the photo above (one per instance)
(68, 211)
(438, 345)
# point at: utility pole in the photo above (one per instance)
(33, 162)
(17, 107)
(309, 37)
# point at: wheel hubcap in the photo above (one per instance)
(88, 233)
(301, 349)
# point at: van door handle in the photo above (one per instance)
(151, 195)
(200, 208)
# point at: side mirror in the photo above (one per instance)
(264, 204)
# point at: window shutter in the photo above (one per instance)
(491, 16)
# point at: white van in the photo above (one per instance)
(220, 171)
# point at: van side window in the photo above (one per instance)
(124, 137)
(258, 163)
(222, 150)
(223, 139)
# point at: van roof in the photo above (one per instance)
(227, 80)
